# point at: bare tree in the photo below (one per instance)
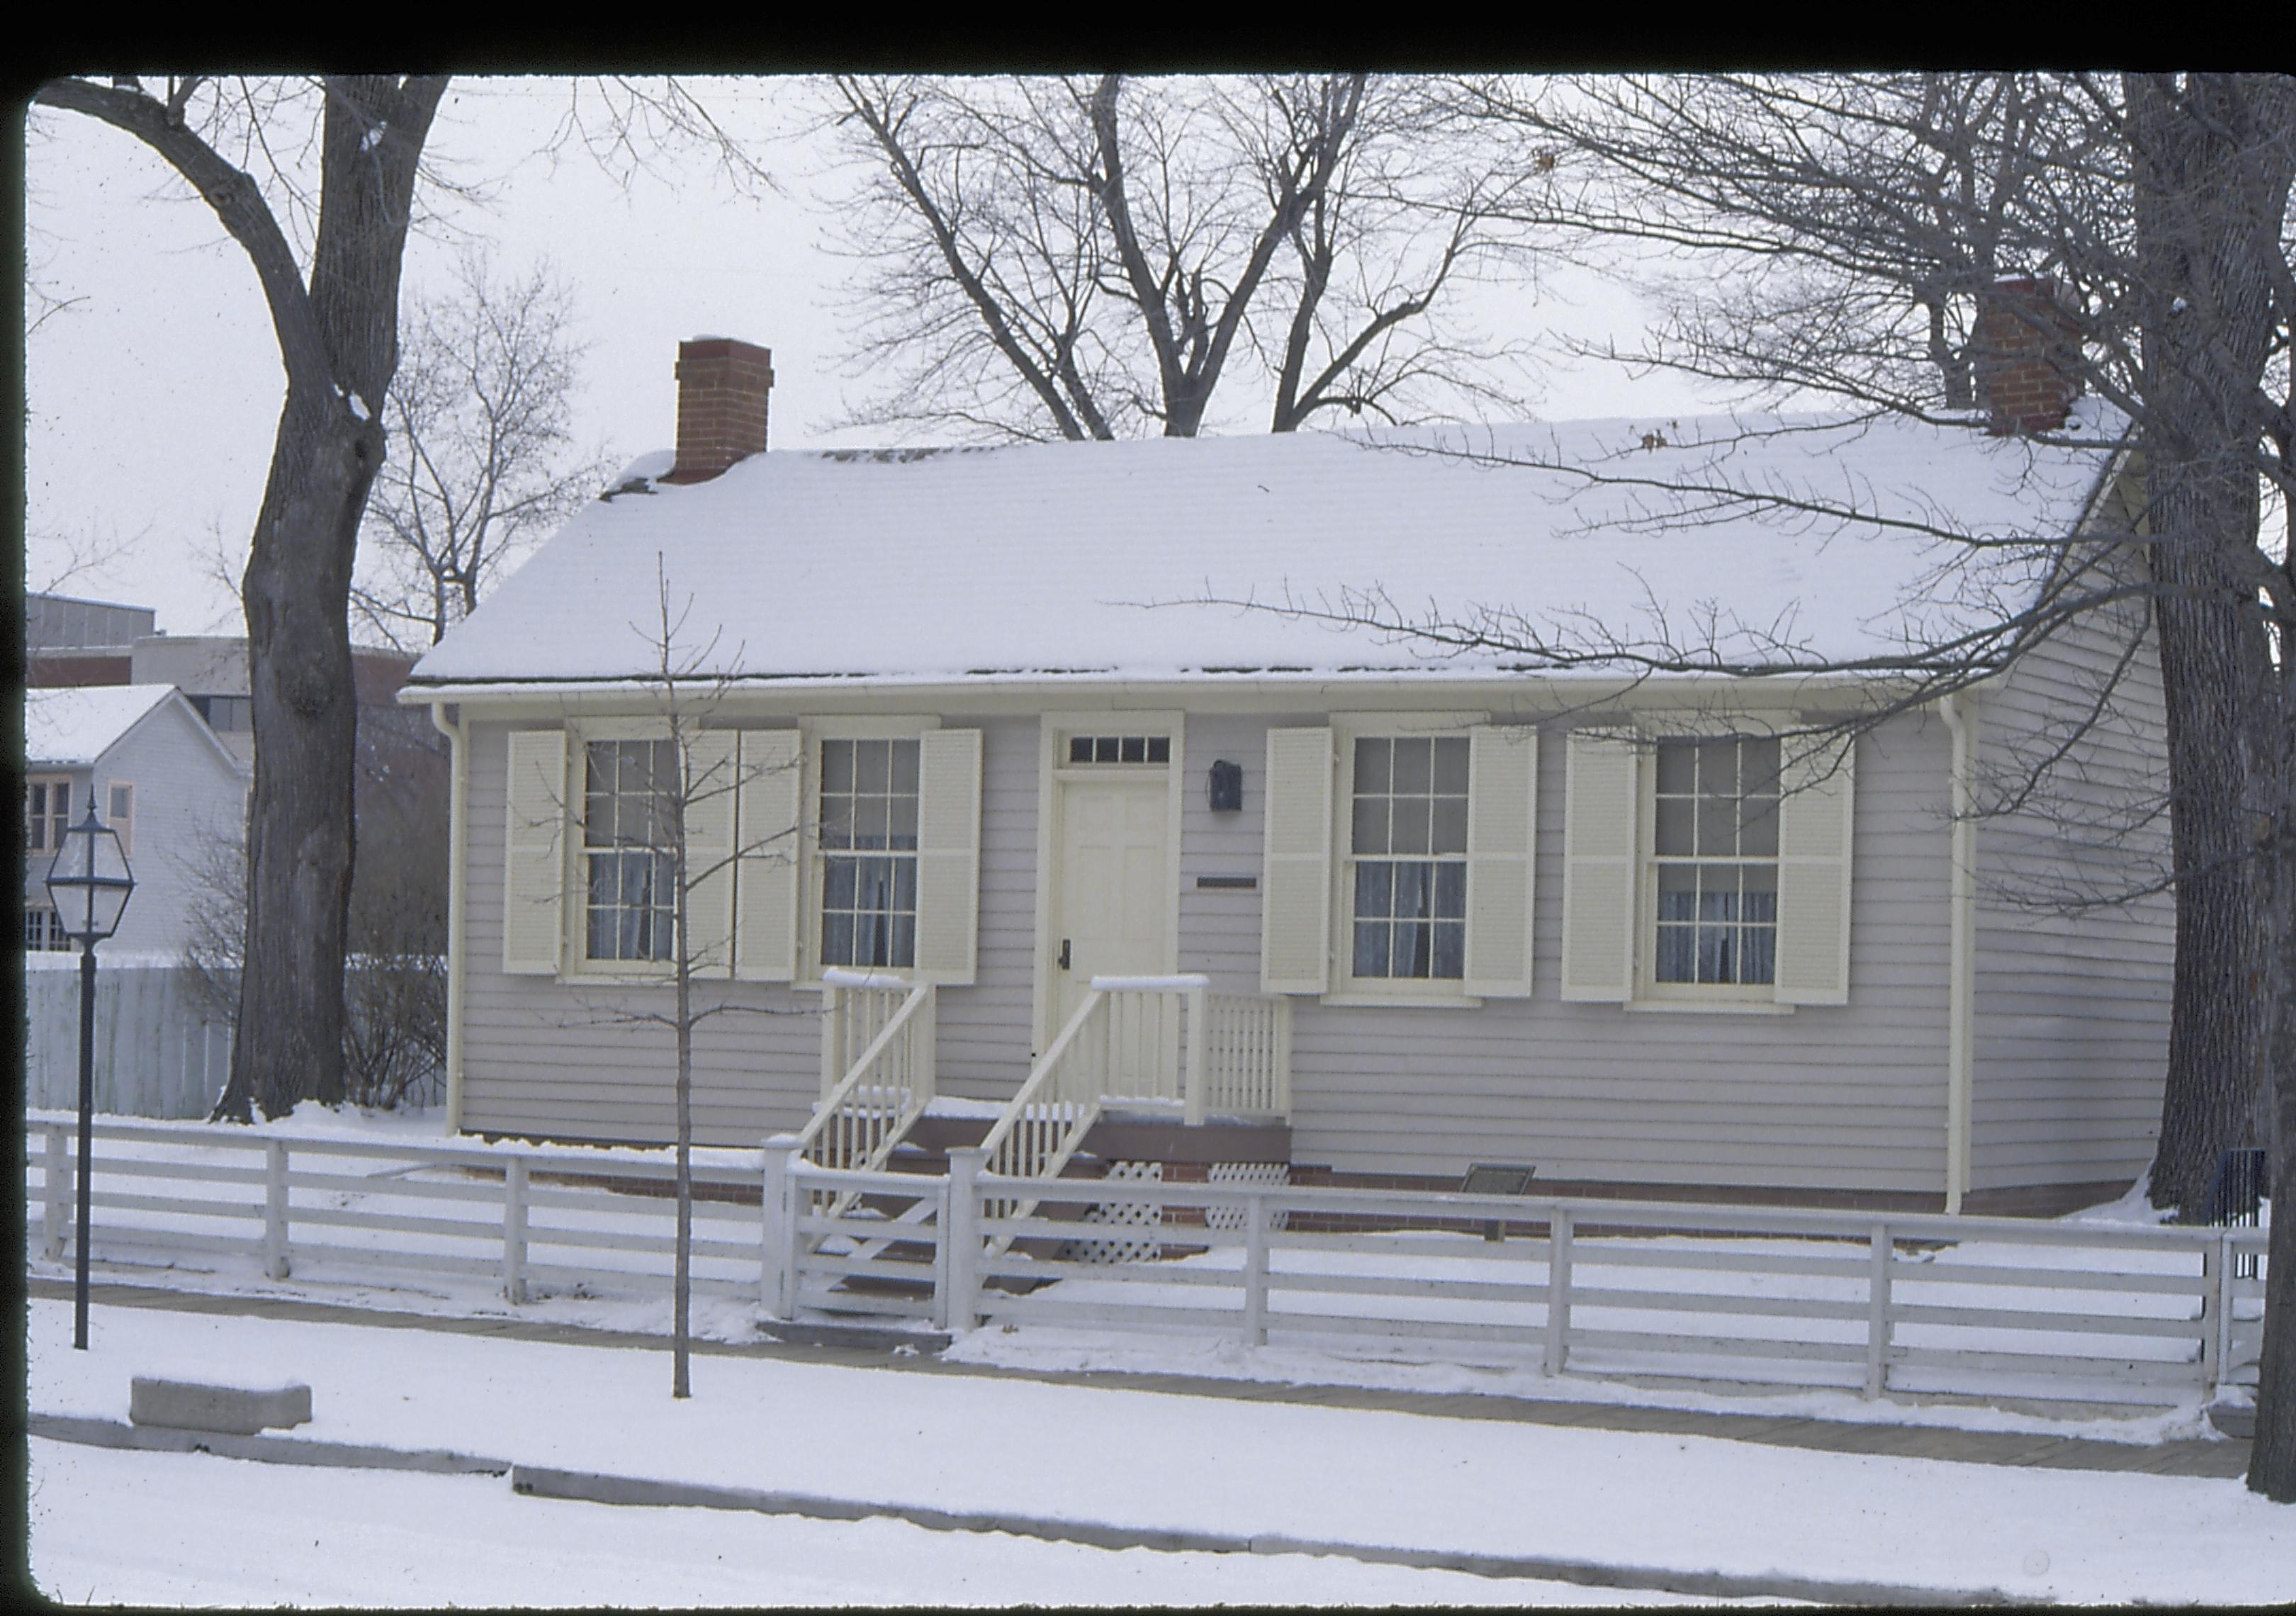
(317, 180)
(1843, 237)
(1096, 258)
(484, 466)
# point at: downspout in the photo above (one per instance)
(459, 800)
(1961, 992)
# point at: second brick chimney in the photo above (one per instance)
(722, 386)
(2025, 354)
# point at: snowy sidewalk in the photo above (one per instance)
(2219, 1457)
(1220, 1465)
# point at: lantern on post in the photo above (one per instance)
(89, 885)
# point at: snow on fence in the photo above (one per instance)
(1872, 1302)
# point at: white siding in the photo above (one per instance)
(2072, 1008)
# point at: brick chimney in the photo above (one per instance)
(2026, 355)
(721, 404)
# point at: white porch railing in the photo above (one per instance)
(876, 1068)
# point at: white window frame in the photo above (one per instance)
(1347, 987)
(1649, 991)
(576, 965)
(813, 861)
(49, 847)
(125, 823)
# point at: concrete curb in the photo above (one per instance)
(93, 1432)
(590, 1487)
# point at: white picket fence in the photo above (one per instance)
(1870, 1302)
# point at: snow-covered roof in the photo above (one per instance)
(1750, 537)
(71, 728)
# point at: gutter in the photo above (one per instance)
(457, 882)
(1961, 991)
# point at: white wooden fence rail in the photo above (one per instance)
(1878, 1302)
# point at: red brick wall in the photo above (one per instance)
(722, 388)
(2025, 353)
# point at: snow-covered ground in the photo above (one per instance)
(1133, 1458)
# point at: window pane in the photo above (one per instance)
(1674, 820)
(1760, 885)
(1677, 954)
(1134, 750)
(1451, 891)
(1103, 750)
(1414, 890)
(1413, 955)
(872, 766)
(903, 755)
(836, 822)
(1414, 765)
(1715, 954)
(872, 822)
(123, 798)
(836, 765)
(903, 832)
(1374, 889)
(1760, 759)
(1676, 767)
(1451, 950)
(901, 943)
(1450, 825)
(1758, 959)
(1718, 826)
(1758, 832)
(1718, 769)
(837, 884)
(1372, 765)
(837, 939)
(1370, 825)
(1718, 893)
(1160, 748)
(1409, 831)
(1677, 891)
(904, 884)
(1080, 749)
(1451, 765)
(1371, 949)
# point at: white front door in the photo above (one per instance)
(1114, 901)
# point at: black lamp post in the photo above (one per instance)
(88, 883)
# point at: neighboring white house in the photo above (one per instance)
(1009, 722)
(157, 773)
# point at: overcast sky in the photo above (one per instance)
(153, 397)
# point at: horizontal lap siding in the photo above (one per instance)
(564, 1060)
(2072, 1008)
(1848, 1097)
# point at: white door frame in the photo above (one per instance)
(1054, 729)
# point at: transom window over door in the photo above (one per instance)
(1715, 852)
(632, 900)
(869, 853)
(1408, 844)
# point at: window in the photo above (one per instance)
(120, 813)
(630, 904)
(1714, 861)
(44, 931)
(869, 852)
(47, 814)
(1407, 852)
(1120, 748)
(224, 713)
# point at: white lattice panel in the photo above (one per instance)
(1139, 1248)
(1271, 1173)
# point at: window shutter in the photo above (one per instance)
(1502, 807)
(1599, 825)
(768, 888)
(534, 853)
(710, 788)
(1814, 877)
(948, 854)
(1295, 898)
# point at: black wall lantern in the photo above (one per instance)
(1226, 789)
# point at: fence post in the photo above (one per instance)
(961, 1303)
(275, 1262)
(513, 1262)
(2216, 1313)
(1255, 1270)
(1558, 1291)
(1877, 1314)
(1192, 1095)
(925, 1037)
(777, 1251)
(56, 1177)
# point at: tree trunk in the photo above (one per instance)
(2204, 247)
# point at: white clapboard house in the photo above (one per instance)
(1041, 796)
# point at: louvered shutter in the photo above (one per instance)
(948, 854)
(1599, 822)
(1295, 897)
(709, 790)
(767, 887)
(1502, 788)
(534, 853)
(1813, 818)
